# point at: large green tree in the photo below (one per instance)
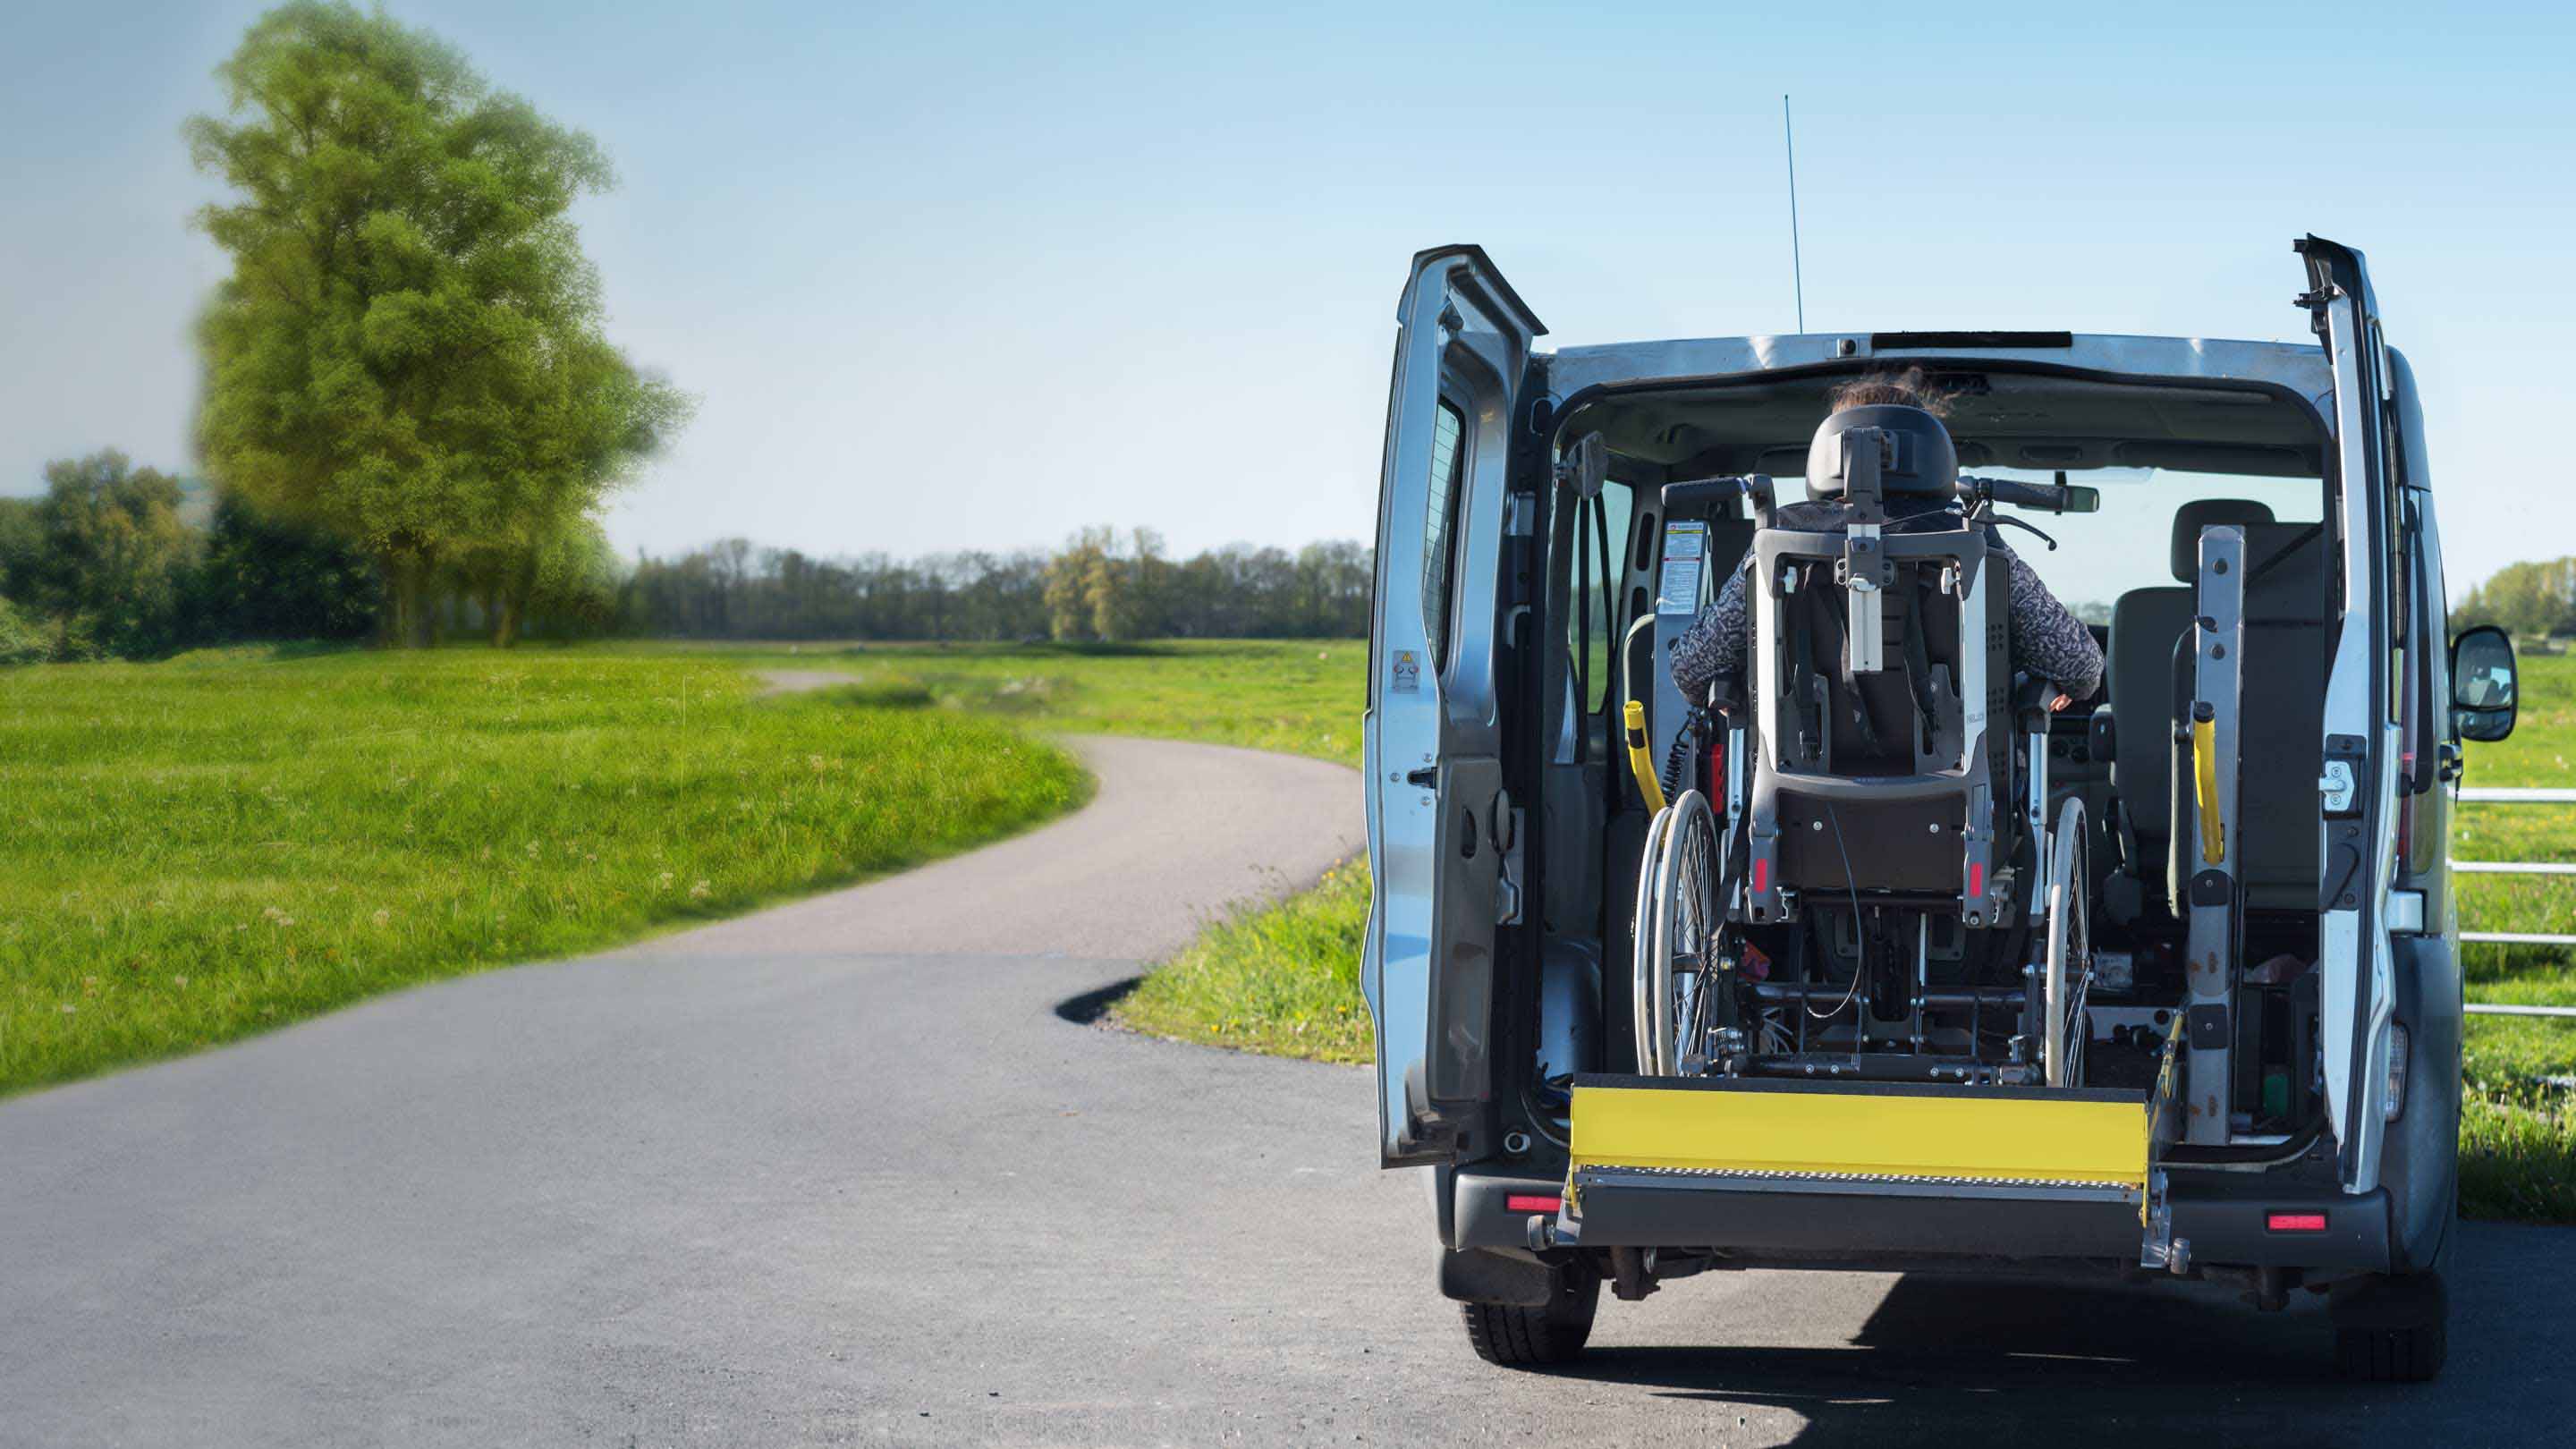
(408, 351)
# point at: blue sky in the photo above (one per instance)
(956, 275)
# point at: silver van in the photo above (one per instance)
(2162, 984)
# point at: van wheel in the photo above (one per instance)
(2392, 1330)
(1518, 1337)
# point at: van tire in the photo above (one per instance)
(1517, 1337)
(2392, 1330)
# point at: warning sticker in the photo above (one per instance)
(1408, 672)
(1685, 554)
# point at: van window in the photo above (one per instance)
(1440, 524)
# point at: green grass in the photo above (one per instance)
(1283, 979)
(1301, 697)
(221, 843)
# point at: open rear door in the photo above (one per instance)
(1440, 823)
(2358, 796)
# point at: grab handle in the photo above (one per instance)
(2204, 782)
(1641, 759)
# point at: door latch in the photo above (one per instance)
(2334, 787)
(1426, 778)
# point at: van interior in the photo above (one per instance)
(2169, 460)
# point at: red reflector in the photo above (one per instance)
(1761, 876)
(1530, 1203)
(1976, 878)
(2295, 1222)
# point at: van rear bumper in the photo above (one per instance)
(2223, 1216)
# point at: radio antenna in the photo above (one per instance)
(1797, 267)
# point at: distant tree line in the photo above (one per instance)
(1102, 587)
(111, 561)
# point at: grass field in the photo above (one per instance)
(210, 846)
(1300, 697)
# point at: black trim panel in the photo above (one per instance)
(1882, 341)
(1678, 1213)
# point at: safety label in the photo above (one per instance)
(1685, 551)
(1408, 672)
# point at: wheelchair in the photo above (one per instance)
(1857, 876)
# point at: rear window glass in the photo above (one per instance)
(2129, 544)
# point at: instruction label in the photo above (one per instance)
(1407, 672)
(1685, 555)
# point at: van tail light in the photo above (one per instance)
(1531, 1203)
(2294, 1222)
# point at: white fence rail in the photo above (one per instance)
(2505, 795)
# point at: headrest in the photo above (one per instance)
(1916, 458)
(2201, 513)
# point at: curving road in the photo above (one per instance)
(841, 1173)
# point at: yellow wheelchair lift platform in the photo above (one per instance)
(1771, 1166)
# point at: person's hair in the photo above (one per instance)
(1909, 388)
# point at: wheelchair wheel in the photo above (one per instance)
(2070, 949)
(1676, 924)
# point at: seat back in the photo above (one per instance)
(2146, 626)
(1892, 776)
(2282, 697)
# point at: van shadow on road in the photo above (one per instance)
(1946, 1360)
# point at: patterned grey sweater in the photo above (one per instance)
(2047, 641)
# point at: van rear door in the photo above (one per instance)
(2364, 747)
(1440, 822)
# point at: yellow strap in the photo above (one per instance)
(2204, 784)
(1641, 762)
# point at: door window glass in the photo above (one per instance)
(1440, 524)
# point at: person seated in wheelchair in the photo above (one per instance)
(2047, 642)
(1894, 805)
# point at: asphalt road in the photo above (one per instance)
(843, 1173)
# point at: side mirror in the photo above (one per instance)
(2485, 685)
